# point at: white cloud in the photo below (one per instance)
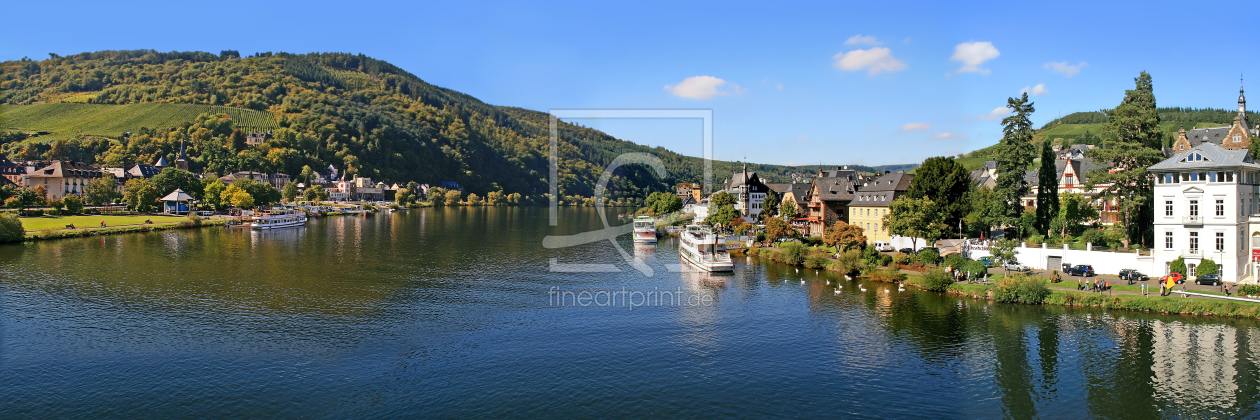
(973, 54)
(996, 114)
(875, 60)
(703, 87)
(778, 86)
(948, 136)
(1066, 69)
(916, 126)
(1039, 90)
(862, 40)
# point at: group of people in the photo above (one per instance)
(1094, 285)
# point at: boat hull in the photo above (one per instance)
(715, 267)
(645, 237)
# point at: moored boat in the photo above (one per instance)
(644, 229)
(704, 249)
(278, 218)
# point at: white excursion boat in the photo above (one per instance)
(278, 218)
(705, 249)
(644, 229)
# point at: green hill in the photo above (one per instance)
(362, 115)
(66, 120)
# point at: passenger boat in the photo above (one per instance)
(278, 218)
(644, 229)
(704, 249)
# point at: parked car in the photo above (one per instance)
(206, 213)
(884, 247)
(1175, 276)
(987, 261)
(1208, 279)
(1015, 267)
(1082, 270)
(907, 251)
(1132, 275)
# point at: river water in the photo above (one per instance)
(459, 312)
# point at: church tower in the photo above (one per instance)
(182, 161)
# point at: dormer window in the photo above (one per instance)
(1237, 138)
(1194, 157)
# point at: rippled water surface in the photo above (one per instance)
(455, 313)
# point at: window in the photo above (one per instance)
(1212, 176)
(1194, 208)
(1220, 207)
(1168, 240)
(1229, 177)
(1190, 268)
(1220, 241)
(1194, 241)
(1168, 208)
(1237, 138)
(1193, 176)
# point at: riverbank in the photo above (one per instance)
(1122, 300)
(184, 223)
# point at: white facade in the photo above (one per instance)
(1203, 197)
(753, 207)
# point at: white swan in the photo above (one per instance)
(886, 291)
(846, 277)
(901, 288)
(837, 291)
(798, 271)
(862, 288)
(828, 282)
(802, 281)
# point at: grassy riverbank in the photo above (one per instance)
(38, 224)
(1173, 304)
(183, 223)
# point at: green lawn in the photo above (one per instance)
(35, 224)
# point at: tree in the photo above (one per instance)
(172, 179)
(473, 199)
(844, 235)
(916, 218)
(1132, 144)
(1047, 189)
(721, 216)
(437, 196)
(290, 192)
(238, 141)
(452, 197)
(770, 207)
(100, 190)
(315, 193)
(1075, 211)
(1178, 266)
(776, 228)
(1003, 252)
(1206, 267)
(262, 193)
(11, 229)
(404, 197)
(1015, 155)
(306, 174)
(947, 183)
(73, 203)
(494, 198)
(720, 199)
(237, 196)
(986, 211)
(141, 196)
(788, 208)
(666, 203)
(213, 194)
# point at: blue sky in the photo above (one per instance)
(789, 83)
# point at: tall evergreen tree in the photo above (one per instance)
(1016, 155)
(1132, 143)
(1047, 188)
(948, 184)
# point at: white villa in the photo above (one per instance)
(1203, 197)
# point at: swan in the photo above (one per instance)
(802, 281)
(798, 271)
(886, 291)
(828, 282)
(837, 291)
(846, 277)
(862, 288)
(901, 288)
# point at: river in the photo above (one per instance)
(459, 312)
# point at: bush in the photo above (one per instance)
(929, 256)
(793, 253)
(885, 275)
(1249, 289)
(812, 241)
(11, 228)
(1206, 267)
(1097, 237)
(849, 262)
(1178, 266)
(935, 280)
(193, 220)
(954, 261)
(900, 258)
(816, 260)
(975, 269)
(74, 204)
(1021, 289)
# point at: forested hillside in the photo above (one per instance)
(362, 115)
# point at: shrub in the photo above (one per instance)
(1178, 266)
(816, 260)
(11, 228)
(813, 241)
(1098, 237)
(74, 204)
(900, 258)
(1021, 289)
(975, 268)
(56, 204)
(935, 280)
(849, 262)
(1206, 267)
(193, 220)
(884, 275)
(1249, 289)
(929, 256)
(793, 253)
(954, 261)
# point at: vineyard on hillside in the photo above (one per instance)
(65, 120)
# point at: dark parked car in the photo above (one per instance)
(987, 261)
(1132, 275)
(907, 251)
(1082, 270)
(1208, 279)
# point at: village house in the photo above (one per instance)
(256, 176)
(749, 193)
(12, 172)
(255, 139)
(1072, 174)
(827, 200)
(986, 176)
(61, 178)
(1234, 137)
(870, 204)
(690, 191)
(1202, 199)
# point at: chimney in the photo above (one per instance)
(887, 172)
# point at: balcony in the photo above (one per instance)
(1192, 253)
(1192, 220)
(815, 204)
